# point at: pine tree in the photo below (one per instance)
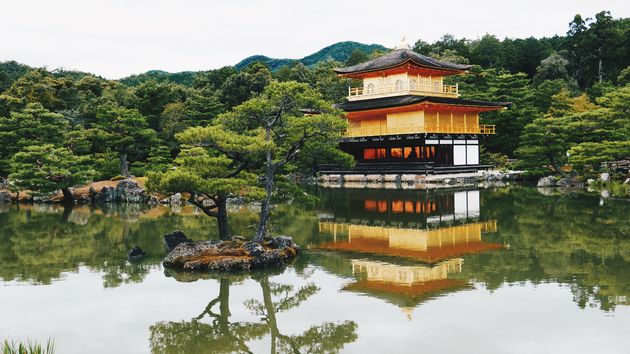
(44, 169)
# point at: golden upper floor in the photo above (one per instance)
(417, 122)
(402, 84)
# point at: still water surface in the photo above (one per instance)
(480, 271)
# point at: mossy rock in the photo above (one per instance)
(233, 255)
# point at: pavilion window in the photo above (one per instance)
(420, 209)
(413, 84)
(399, 85)
(398, 206)
(409, 153)
(396, 153)
(374, 154)
(370, 89)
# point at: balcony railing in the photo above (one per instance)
(442, 129)
(402, 88)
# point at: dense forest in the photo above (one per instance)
(570, 94)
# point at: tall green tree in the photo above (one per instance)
(357, 56)
(32, 125)
(124, 131)
(277, 112)
(240, 87)
(44, 169)
(212, 167)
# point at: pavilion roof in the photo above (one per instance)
(407, 295)
(406, 100)
(398, 57)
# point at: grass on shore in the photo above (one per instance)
(26, 348)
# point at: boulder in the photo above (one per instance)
(135, 253)
(282, 242)
(153, 200)
(3, 183)
(128, 191)
(175, 238)
(568, 183)
(5, 197)
(107, 195)
(176, 198)
(491, 177)
(548, 181)
(604, 177)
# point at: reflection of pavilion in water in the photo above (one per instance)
(429, 227)
(434, 228)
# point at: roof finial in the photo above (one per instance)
(403, 44)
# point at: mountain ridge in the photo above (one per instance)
(339, 51)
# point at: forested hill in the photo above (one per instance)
(338, 52)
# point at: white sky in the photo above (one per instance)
(117, 38)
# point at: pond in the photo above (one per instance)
(508, 270)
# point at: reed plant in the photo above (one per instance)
(11, 347)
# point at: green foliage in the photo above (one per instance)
(492, 85)
(554, 67)
(577, 131)
(44, 169)
(201, 171)
(321, 77)
(27, 348)
(240, 87)
(624, 76)
(497, 160)
(32, 125)
(590, 155)
(185, 78)
(124, 131)
(10, 71)
(357, 56)
(153, 96)
(278, 109)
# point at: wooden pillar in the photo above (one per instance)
(452, 127)
(465, 124)
(477, 122)
(437, 121)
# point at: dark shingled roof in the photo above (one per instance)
(398, 57)
(405, 100)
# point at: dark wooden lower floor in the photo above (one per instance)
(411, 154)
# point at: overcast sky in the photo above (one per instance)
(120, 37)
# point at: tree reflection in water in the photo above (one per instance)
(223, 336)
